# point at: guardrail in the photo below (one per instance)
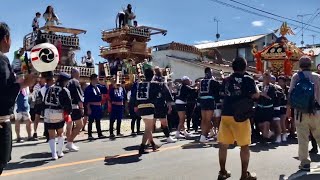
(67, 41)
(137, 31)
(84, 71)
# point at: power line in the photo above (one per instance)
(273, 14)
(311, 19)
(302, 27)
(255, 13)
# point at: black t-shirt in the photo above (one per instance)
(9, 89)
(192, 98)
(75, 91)
(58, 97)
(210, 87)
(234, 88)
(271, 92)
(184, 92)
(149, 92)
(283, 99)
(160, 101)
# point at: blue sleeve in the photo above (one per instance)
(103, 89)
(111, 94)
(125, 95)
(87, 94)
(133, 90)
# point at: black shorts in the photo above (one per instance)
(76, 114)
(38, 109)
(32, 114)
(263, 115)
(207, 104)
(160, 112)
(55, 126)
(276, 114)
(145, 111)
(181, 107)
(5, 143)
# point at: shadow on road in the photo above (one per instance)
(196, 145)
(262, 147)
(43, 155)
(27, 144)
(109, 161)
(27, 164)
(132, 148)
(301, 175)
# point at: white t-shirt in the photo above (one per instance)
(86, 60)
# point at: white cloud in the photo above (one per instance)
(203, 42)
(257, 23)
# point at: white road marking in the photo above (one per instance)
(82, 170)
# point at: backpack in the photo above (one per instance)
(302, 96)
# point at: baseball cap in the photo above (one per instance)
(64, 76)
(185, 78)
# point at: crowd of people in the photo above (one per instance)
(232, 110)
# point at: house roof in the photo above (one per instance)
(242, 40)
(316, 50)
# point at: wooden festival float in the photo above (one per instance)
(127, 46)
(67, 42)
(281, 56)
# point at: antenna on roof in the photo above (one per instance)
(217, 21)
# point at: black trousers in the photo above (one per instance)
(121, 20)
(98, 126)
(112, 121)
(189, 114)
(5, 144)
(196, 118)
(173, 118)
(135, 119)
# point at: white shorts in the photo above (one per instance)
(22, 116)
(217, 113)
(151, 116)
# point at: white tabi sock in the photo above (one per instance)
(60, 146)
(53, 148)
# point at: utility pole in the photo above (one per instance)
(302, 25)
(217, 35)
(313, 36)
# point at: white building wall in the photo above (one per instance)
(179, 67)
(182, 68)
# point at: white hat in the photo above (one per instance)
(185, 78)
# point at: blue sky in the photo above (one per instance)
(187, 21)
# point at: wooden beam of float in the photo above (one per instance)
(62, 30)
(154, 30)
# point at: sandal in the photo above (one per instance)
(249, 176)
(224, 175)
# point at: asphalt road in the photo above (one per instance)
(111, 160)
